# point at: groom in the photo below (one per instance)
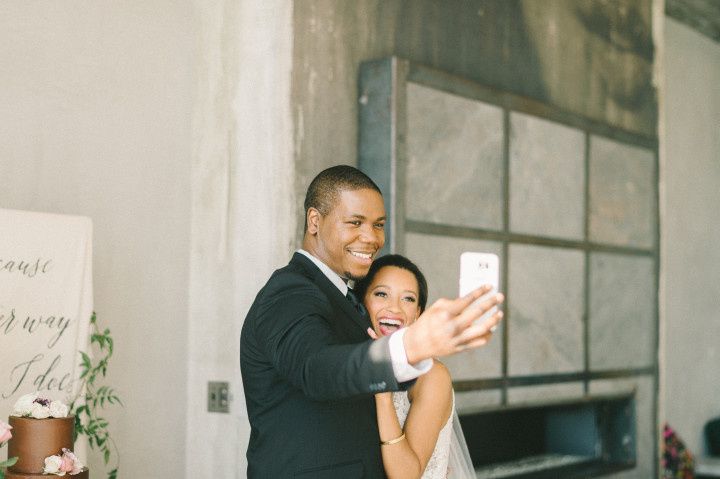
(309, 369)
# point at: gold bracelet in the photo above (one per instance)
(401, 437)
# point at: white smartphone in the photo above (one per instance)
(477, 269)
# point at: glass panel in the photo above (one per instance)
(622, 311)
(472, 400)
(455, 159)
(622, 194)
(545, 300)
(547, 180)
(545, 392)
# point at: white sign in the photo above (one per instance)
(45, 303)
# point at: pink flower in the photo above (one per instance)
(74, 465)
(67, 464)
(5, 434)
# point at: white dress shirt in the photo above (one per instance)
(403, 370)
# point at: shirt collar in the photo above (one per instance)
(330, 274)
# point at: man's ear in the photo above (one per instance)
(313, 221)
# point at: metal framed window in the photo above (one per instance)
(569, 204)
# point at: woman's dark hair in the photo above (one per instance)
(398, 261)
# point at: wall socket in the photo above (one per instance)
(218, 396)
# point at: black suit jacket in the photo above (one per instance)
(309, 373)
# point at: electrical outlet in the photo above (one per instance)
(218, 396)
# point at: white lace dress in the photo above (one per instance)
(437, 466)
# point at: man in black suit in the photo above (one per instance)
(309, 369)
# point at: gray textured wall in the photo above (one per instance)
(588, 57)
(691, 232)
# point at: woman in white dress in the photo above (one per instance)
(416, 427)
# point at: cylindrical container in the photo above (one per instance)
(35, 439)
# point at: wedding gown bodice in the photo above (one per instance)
(437, 466)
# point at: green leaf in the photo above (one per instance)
(106, 455)
(86, 363)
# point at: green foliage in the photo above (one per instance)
(93, 397)
(7, 463)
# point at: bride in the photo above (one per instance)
(420, 435)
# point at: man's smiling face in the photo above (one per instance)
(348, 237)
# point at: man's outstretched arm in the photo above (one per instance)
(297, 338)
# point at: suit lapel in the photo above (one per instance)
(331, 291)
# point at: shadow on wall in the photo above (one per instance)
(484, 41)
(592, 58)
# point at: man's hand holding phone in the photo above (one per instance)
(450, 326)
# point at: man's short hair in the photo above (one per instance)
(329, 183)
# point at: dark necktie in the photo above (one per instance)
(356, 304)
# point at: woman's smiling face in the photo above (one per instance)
(392, 300)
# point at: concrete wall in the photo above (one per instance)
(591, 58)
(242, 208)
(690, 232)
(162, 120)
(330, 40)
(96, 101)
(169, 125)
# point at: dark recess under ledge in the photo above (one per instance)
(587, 437)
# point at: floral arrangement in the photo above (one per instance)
(5, 436)
(61, 464)
(38, 407)
(677, 461)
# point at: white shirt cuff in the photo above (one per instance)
(403, 370)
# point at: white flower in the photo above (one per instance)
(52, 466)
(39, 411)
(77, 467)
(58, 409)
(24, 405)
